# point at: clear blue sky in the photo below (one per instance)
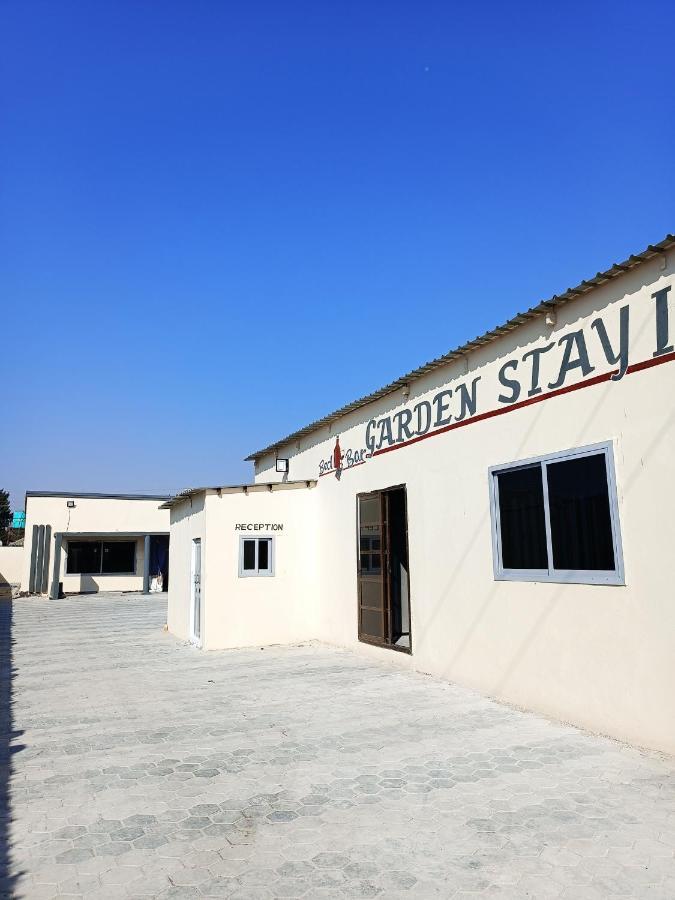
(220, 220)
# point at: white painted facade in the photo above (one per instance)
(259, 610)
(89, 517)
(601, 655)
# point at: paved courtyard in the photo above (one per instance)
(141, 767)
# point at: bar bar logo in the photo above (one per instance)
(338, 461)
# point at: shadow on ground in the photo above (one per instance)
(8, 747)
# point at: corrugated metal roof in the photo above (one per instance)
(183, 495)
(89, 496)
(614, 271)
(234, 488)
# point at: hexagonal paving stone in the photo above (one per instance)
(330, 860)
(192, 876)
(282, 815)
(74, 856)
(238, 774)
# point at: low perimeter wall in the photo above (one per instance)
(11, 564)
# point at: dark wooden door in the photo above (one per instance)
(372, 564)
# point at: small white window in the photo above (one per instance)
(256, 556)
(556, 518)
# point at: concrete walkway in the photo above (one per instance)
(145, 768)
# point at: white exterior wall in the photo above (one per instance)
(104, 515)
(11, 568)
(281, 608)
(598, 655)
(243, 611)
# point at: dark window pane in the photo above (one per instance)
(371, 563)
(369, 514)
(371, 593)
(119, 556)
(84, 558)
(521, 514)
(372, 624)
(581, 526)
(249, 556)
(370, 526)
(263, 556)
(369, 544)
(369, 519)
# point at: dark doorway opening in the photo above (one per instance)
(383, 569)
(159, 558)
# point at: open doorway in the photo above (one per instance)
(383, 569)
(159, 560)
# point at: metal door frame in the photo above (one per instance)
(196, 633)
(371, 639)
(386, 583)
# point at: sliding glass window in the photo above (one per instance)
(101, 558)
(256, 556)
(556, 518)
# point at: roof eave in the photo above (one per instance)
(252, 487)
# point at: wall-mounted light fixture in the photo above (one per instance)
(282, 466)
(70, 504)
(406, 392)
(551, 317)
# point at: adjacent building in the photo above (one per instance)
(77, 543)
(499, 517)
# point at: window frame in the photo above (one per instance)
(257, 572)
(101, 542)
(550, 574)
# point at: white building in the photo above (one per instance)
(79, 543)
(499, 517)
